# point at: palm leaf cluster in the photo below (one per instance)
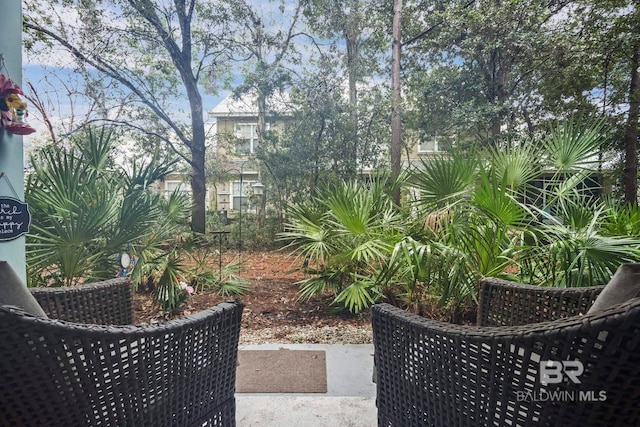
(86, 209)
(526, 210)
(344, 235)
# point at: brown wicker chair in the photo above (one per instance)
(69, 373)
(431, 373)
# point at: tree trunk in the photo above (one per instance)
(396, 125)
(352, 64)
(198, 148)
(261, 126)
(182, 57)
(631, 138)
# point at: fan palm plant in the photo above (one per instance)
(573, 246)
(523, 210)
(73, 211)
(573, 145)
(573, 249)
(621, 219)
(443, 181)
(516, 165)
(421, 276)
(477, 234)
(86, 209)
(488, 224)
(344, 234)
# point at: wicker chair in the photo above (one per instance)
(431, 373)
(69, 373)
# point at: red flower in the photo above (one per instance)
(5, 118)
(7, 86)
(19, 128)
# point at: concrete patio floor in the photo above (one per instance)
(349, 400)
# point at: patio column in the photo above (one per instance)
(11, 156)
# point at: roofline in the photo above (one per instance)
(246, 115)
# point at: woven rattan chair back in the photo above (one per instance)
(431, 373)
(66, 373)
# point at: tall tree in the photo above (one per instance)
(350, 29)
(472, 65)
(396, 122)
(606, 34)
(159, 52)
(262, 39)
(312, 149)
(631, 136)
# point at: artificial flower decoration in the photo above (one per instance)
(13, 109)
(185, 287)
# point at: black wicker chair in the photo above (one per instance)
(68, 372)
(431, 373)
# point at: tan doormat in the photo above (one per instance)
(281, 371)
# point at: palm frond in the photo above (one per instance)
(443, 180)
(516, 165)
(571, 146)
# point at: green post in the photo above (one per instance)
(11, 155)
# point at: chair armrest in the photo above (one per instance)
(434, 373)
(505, 303)
(109, 302)
(178, 373)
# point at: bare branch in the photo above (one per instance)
(104, 67)
(39, 105)
(161, 137)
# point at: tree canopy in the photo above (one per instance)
(470, 71)
(158, 54)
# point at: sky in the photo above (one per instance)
(51, 85)
(53, 74)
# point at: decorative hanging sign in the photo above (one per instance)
(13, 109)
(15, 218)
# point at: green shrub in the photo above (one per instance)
(473, 215)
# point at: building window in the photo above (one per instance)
(429, 146)
(237, 195)
(171, 186)
(247, 135)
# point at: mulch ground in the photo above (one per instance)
(272, 301)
